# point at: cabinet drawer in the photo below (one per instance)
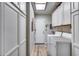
(74, 6)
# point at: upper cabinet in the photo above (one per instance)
(61, 16)
(54, 18)
(66, 12)
(57, 16)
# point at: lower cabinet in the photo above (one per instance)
(76, 51)
(51, 49)
(58, 48)
(62, 49)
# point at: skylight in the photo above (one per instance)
(40, 6)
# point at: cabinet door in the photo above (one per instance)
(63, 48)
(76, 51)
(54, 19)
(60, 15)
(66, 19)
(57, 16)
(51, 46)
(74, 6)
(75, 24)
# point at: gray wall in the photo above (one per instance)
(41, 21)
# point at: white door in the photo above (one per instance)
(40, 27)
(75, 27)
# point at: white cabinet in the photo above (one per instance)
(63, 48)
(75, 32)
(57, 16)
(74, 6)
(54, 18)
(58, 46)
(66, 12)
(76, 51)
(51, 46)
(61, 16)
(75, 24)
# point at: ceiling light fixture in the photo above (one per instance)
(40, 6)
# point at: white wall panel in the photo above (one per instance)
(14, 53)
(10, 28)
(22, 27)
(22, 49)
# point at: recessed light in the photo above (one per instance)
(40, 6)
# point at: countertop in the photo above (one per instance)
(58, 38)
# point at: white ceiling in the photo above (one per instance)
(50, 7)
